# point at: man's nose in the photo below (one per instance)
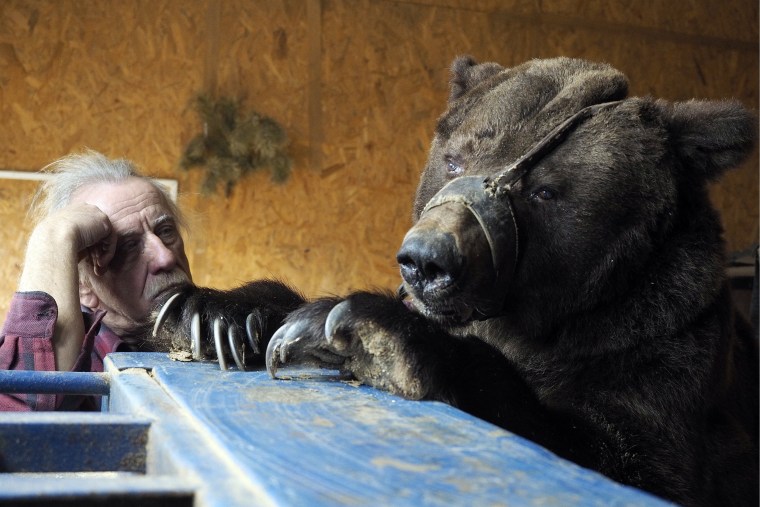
(160, 256)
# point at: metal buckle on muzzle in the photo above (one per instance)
(489, 201)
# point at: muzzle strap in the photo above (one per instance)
(503, 181)
(497, 222)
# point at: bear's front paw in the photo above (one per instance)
(365, 335)
(192, 313)
(302, 339)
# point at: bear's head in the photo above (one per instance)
(613, 212)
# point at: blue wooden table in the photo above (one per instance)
(178, 433)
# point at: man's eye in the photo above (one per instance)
(126, 251)
(167, 232)
(129, 246)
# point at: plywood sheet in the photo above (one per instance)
(357, 86)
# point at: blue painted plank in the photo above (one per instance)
(53, 382)
(97, 488)
(320, 441)
(72, 442)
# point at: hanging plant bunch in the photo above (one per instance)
(234, 144)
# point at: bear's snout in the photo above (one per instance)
(446, 265)
(430, 261)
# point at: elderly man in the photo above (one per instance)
(106, 251)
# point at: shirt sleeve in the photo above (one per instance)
(26, 344)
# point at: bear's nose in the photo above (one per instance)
(430, 260)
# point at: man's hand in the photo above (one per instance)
(53, 253)
(95, 237)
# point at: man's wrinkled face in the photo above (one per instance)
(150, 258)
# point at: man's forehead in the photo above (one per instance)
(131, 200)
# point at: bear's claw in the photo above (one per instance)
(164, 313)
(234, 341)
(218, 345)
(250, 331)
(236, 347)
(195, 337)
(280, 344)
(334, 319)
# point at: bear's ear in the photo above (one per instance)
(466, 73)
(712, 136)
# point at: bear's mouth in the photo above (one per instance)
(450, 312)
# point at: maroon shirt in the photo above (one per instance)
(26, 344)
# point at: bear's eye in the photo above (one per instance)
(453, 168)
(543, 193)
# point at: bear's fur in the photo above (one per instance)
(617, 345)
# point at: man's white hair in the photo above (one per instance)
(75, 171)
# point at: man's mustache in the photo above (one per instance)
(161, 285)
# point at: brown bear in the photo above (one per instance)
(564, 279)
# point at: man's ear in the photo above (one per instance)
(87, 296)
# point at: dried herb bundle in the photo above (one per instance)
(233, 144)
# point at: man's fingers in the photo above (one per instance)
(102, 253)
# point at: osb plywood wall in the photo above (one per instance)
(357, 84)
